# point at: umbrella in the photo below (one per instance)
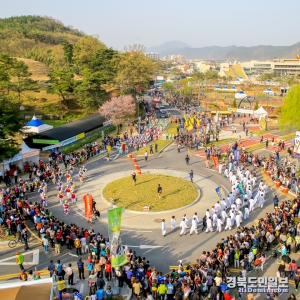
(286, 259)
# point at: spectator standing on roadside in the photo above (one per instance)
(20, 260)
(70, 274)
(80, 265)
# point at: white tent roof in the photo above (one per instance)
(260, 111)
(36, 126)
(25, 152)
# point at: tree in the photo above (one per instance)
(68, 53)
(118, 109)
(169, 86)
(234, 103)
(256, 105)
(199, 77)
(135, 48)
(89, 92)
(61, 83)
(98, 77)
(21, 80)
(85, 48)
(290, 116)
(11, 120)
(134, 71)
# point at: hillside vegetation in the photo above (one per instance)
(61, 72)
(18, 35)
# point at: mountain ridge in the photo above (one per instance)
(241, 53)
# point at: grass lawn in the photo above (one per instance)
(55, 123)
(160, 143)
(260, 132)
(176, 192)
(172, 129)
(222, 142)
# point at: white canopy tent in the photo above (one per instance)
(240, 95)
(25, 155)
(36, 126)
(41, 289)
(261, 113)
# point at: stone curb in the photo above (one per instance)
(157, 212)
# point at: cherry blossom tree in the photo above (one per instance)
(118, 109)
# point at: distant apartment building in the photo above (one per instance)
(201, 66)
(152, 55)
(174, 58)
(284, 66)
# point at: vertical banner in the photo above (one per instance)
(297, 143)
(240, 188)
(118, 256)
(219, 193)
(88, 205)
(236, 155)
(216, 161)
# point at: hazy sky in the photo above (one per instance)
(195, 22)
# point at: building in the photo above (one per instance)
(201, 66)
(174, 58)
(67, 134)
(284, 66)
(153, 55)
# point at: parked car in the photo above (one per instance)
(163, 114)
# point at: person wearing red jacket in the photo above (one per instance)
(226, 295)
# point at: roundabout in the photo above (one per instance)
(176, 192)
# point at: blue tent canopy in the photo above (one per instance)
(36, 126)
(35, 122)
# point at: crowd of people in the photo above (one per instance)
(246, 248)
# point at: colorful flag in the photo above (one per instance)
(236, 155)
(240, 188)
(88, 205)
(219, 193)
(117, 252)
(216, 161)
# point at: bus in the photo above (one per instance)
(156, 103)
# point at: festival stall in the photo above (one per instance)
(240, 95)
(261, 113)
(22, 160)
(36, 126)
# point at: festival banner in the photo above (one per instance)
(88, 205)
(216, 161)
(240, 188)
(297, 143)
(220, 193)
(117, 252)
(236, 155)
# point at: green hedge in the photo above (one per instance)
(88, 140)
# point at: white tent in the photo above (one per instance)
(261, 113)
(36, 126)
(25, 155)
(240, 95)
(41, 289)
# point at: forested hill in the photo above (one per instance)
(19, 35)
